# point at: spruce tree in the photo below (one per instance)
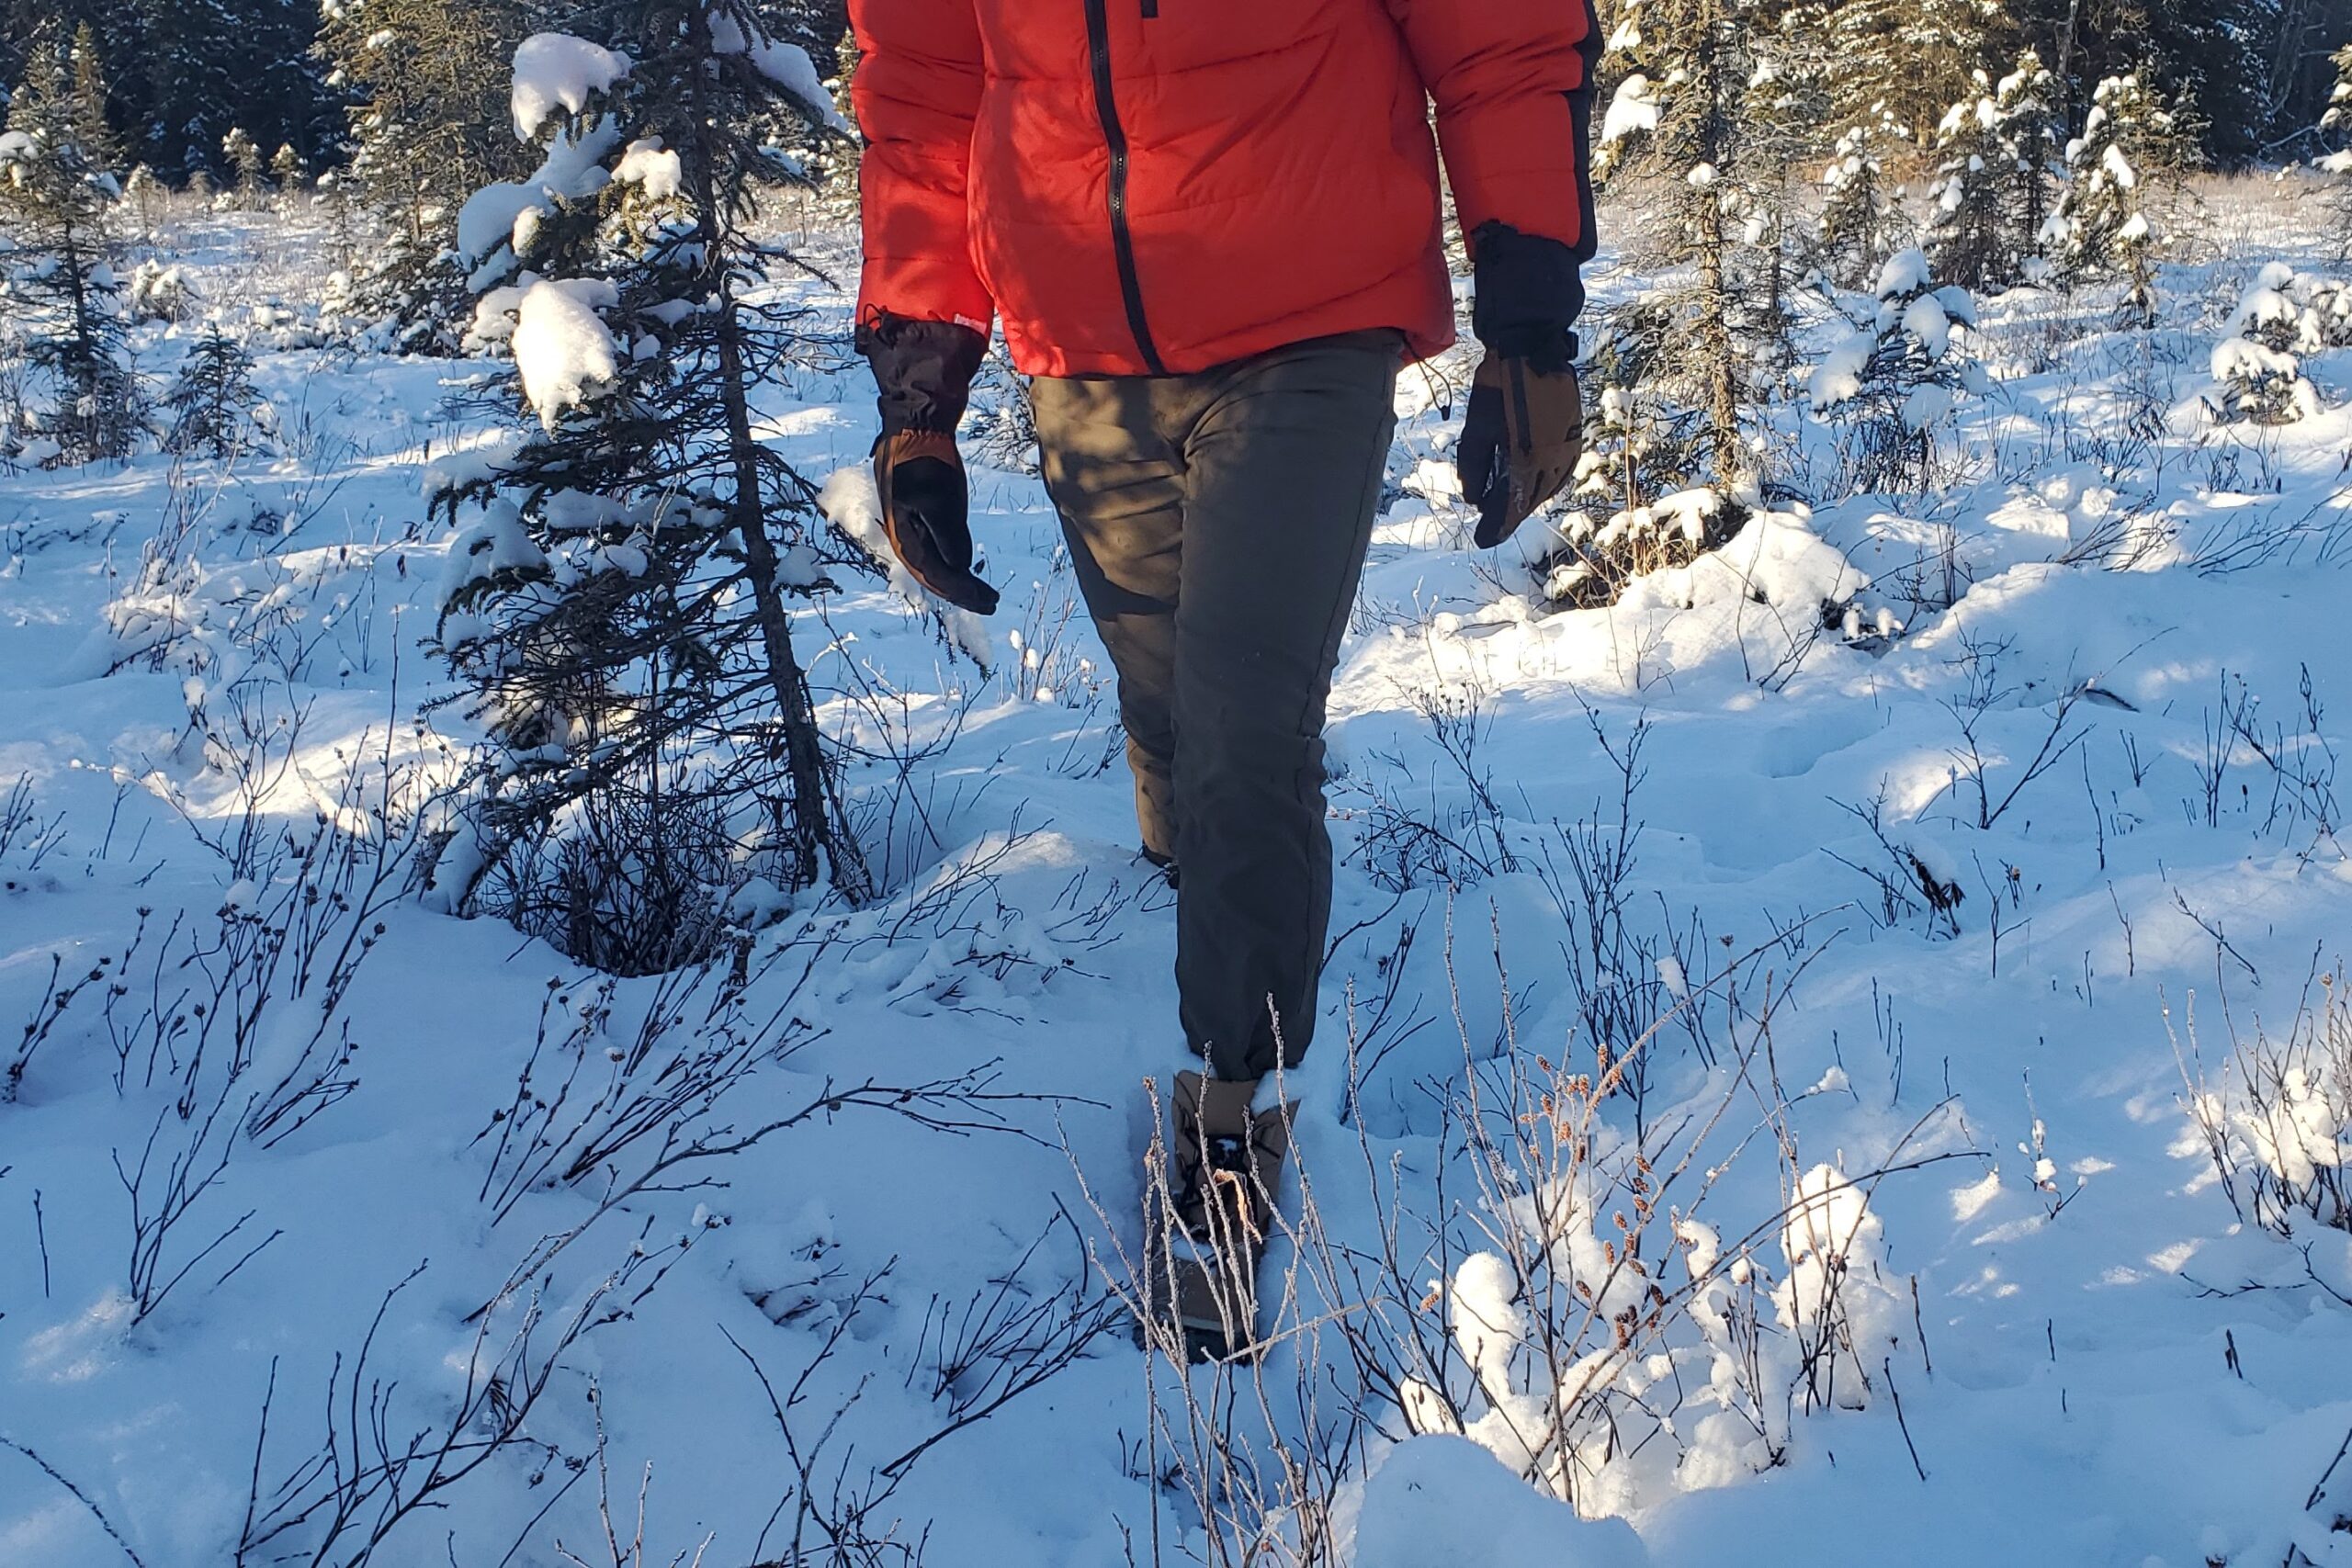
(1862, 220)
(1681, 116)
(2026, 113)
(622, 608)
(54, 197)
(430, 125)
(1892, 382)
(212, 399)
(1991, 196)
(1908, 59)
(244, 162)
(2102, 229)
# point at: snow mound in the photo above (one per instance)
(563, 348)
(556, 71)
(1632, 110)
(1440, 1499)
(648, 163)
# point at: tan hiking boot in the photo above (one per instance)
(1226, 1161)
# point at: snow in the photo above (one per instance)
(647, 163)
(2146, 1376)
(1440, 1499)
(1633, 108)
(556, 71)
(1925, 320)
(1838, 377)
(2240, 358)
(1904, 273)
(788, 66)
(563, 348)
(571, 171)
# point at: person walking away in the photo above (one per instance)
(1212, 230)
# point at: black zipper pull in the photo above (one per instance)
(1150, 10)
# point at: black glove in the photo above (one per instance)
(926, 504)
(924, 370)
(1525, 429)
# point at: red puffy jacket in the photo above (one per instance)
(1151, 186)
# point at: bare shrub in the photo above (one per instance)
(1574, 1312)
(2278, 1122)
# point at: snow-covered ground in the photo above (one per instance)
(306, 1191)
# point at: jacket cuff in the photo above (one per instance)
(924, 369)
(1527, 293)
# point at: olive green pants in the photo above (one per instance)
(1218, 524)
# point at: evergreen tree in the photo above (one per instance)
(1682, 115)
(430, 125)
(88, 101)
(54, 197)
(1909, 58)
(1992, 192)
(1785, 113)
(211, 398)
(1862, 222)
(1895, 380)
(1967, 236)
(622, 608)
(244, 162)
(2025, 110)
(2102, 229)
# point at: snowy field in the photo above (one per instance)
(1960, 973)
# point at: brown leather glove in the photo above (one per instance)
(1524, 430)
(925, 510)
(1520, 443)
(923, 371)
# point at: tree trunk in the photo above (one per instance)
(812, 795)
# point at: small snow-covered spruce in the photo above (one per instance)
(211, 400)
(1965, 233)
(1637, 507)
(619, 596)
(1893, 382)
(1991, 193)
(146, 195)
(1862, 220)
(286, 168)
(158, 291)
(1597, 563)
(2258, 371)
(2101, 230)
(55, 196)
(244, 157)
(2295, 313)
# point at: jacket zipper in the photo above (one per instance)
(1114, 135)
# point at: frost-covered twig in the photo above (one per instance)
(78, 1494)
